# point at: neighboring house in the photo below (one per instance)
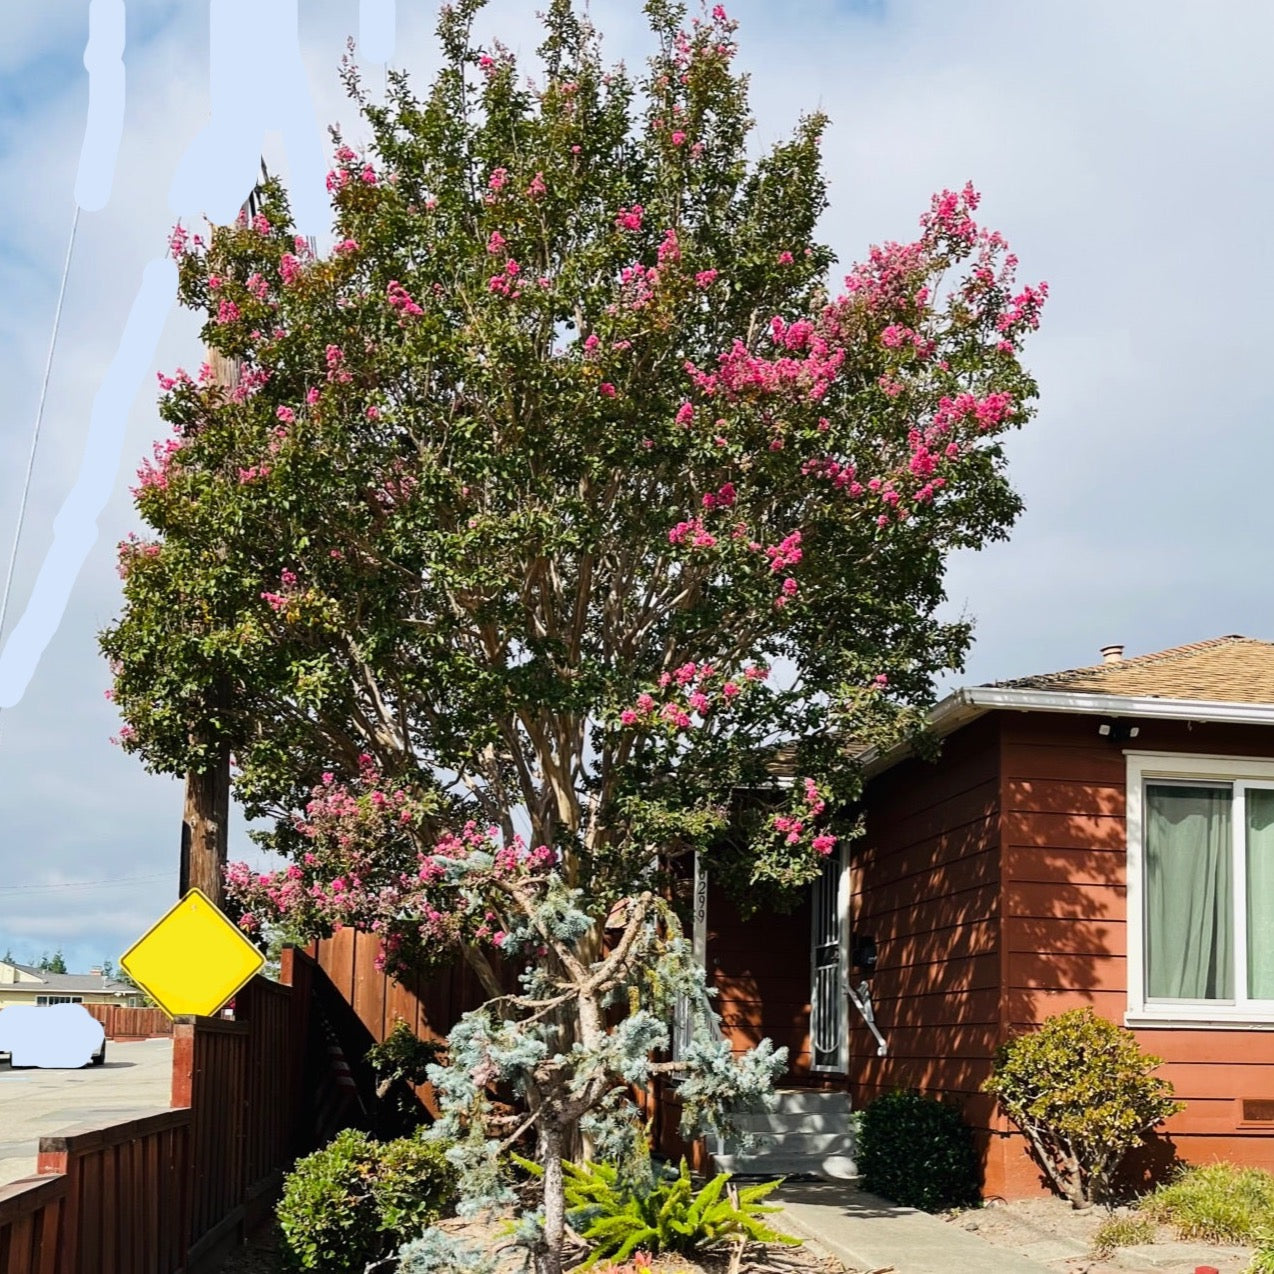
(22, 984)
(1102, 836)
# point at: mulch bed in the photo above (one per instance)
(261, 1256)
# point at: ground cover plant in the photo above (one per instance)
(659, 1212)
(1122, 1230)
(1084, 1094)
(535, 514)
(1215, 1203)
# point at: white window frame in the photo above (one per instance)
(1240, 774)
(43, 1001)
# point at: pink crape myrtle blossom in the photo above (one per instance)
(376, 860)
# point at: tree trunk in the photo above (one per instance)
(205, 828)
(549, 1259)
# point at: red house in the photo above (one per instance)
(1102, 836)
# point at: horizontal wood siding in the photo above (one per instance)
(1064, 833)
(926, 886)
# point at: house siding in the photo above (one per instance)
(925, 884)
(1064, 843)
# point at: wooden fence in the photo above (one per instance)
(124, 1023)
(174, 1192)
(430, 1005)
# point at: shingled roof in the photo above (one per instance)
(68, 983)
(1229, 669)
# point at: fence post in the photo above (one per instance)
(48, 1162)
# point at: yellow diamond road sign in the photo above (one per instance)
(193, 959)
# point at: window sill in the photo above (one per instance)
(1202, 1021)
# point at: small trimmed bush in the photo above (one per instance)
(357, 1200)
(918, 1152)
(1083, 1093)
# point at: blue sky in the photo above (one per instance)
(1124, 149)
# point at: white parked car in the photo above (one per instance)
(52, 1035)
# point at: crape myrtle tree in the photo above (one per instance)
(547, 508)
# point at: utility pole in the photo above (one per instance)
(205, 824)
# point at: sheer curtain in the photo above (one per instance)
(1189, 895)
(1260, 893)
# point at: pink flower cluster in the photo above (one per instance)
(795, 827)
(693, 689)
(336, 370)
(742, 373)
(154, 473)
(692, 532)
(130, 549)
(629, 218)
(400, 299)
(371, 864)
(786, 553)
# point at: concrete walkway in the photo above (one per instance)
(868, 1234)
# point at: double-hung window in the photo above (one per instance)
(1200, 890)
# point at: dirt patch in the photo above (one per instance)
(261, 1255)
(1056, 1236)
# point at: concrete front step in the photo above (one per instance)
(811, 1101)
(807, 1133)
(831, 1167)
(800, 1145)
(784, 1123)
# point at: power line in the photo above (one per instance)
(85, 884)
(39, 418)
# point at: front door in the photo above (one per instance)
(829, 1034)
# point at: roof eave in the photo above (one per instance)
(965, 705)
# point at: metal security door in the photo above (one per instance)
(829, 1035)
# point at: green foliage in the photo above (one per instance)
(511, 506)
(356, 1200)
(1118, 1231)
(666, 1214)
(55, 963)
(1263, 1257)
(1084, 1095)
(917, 1152)
(1215, 1203)
(401, 1061)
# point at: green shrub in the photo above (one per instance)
(666, 1215)
(1122, 1231)
(357, 1200)
(1083, 1093)
(917, 1152)
(1215, 1203)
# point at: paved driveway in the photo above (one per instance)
(136, 1080)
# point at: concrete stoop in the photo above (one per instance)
(808, 1133)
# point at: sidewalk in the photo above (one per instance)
(868, 1234)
